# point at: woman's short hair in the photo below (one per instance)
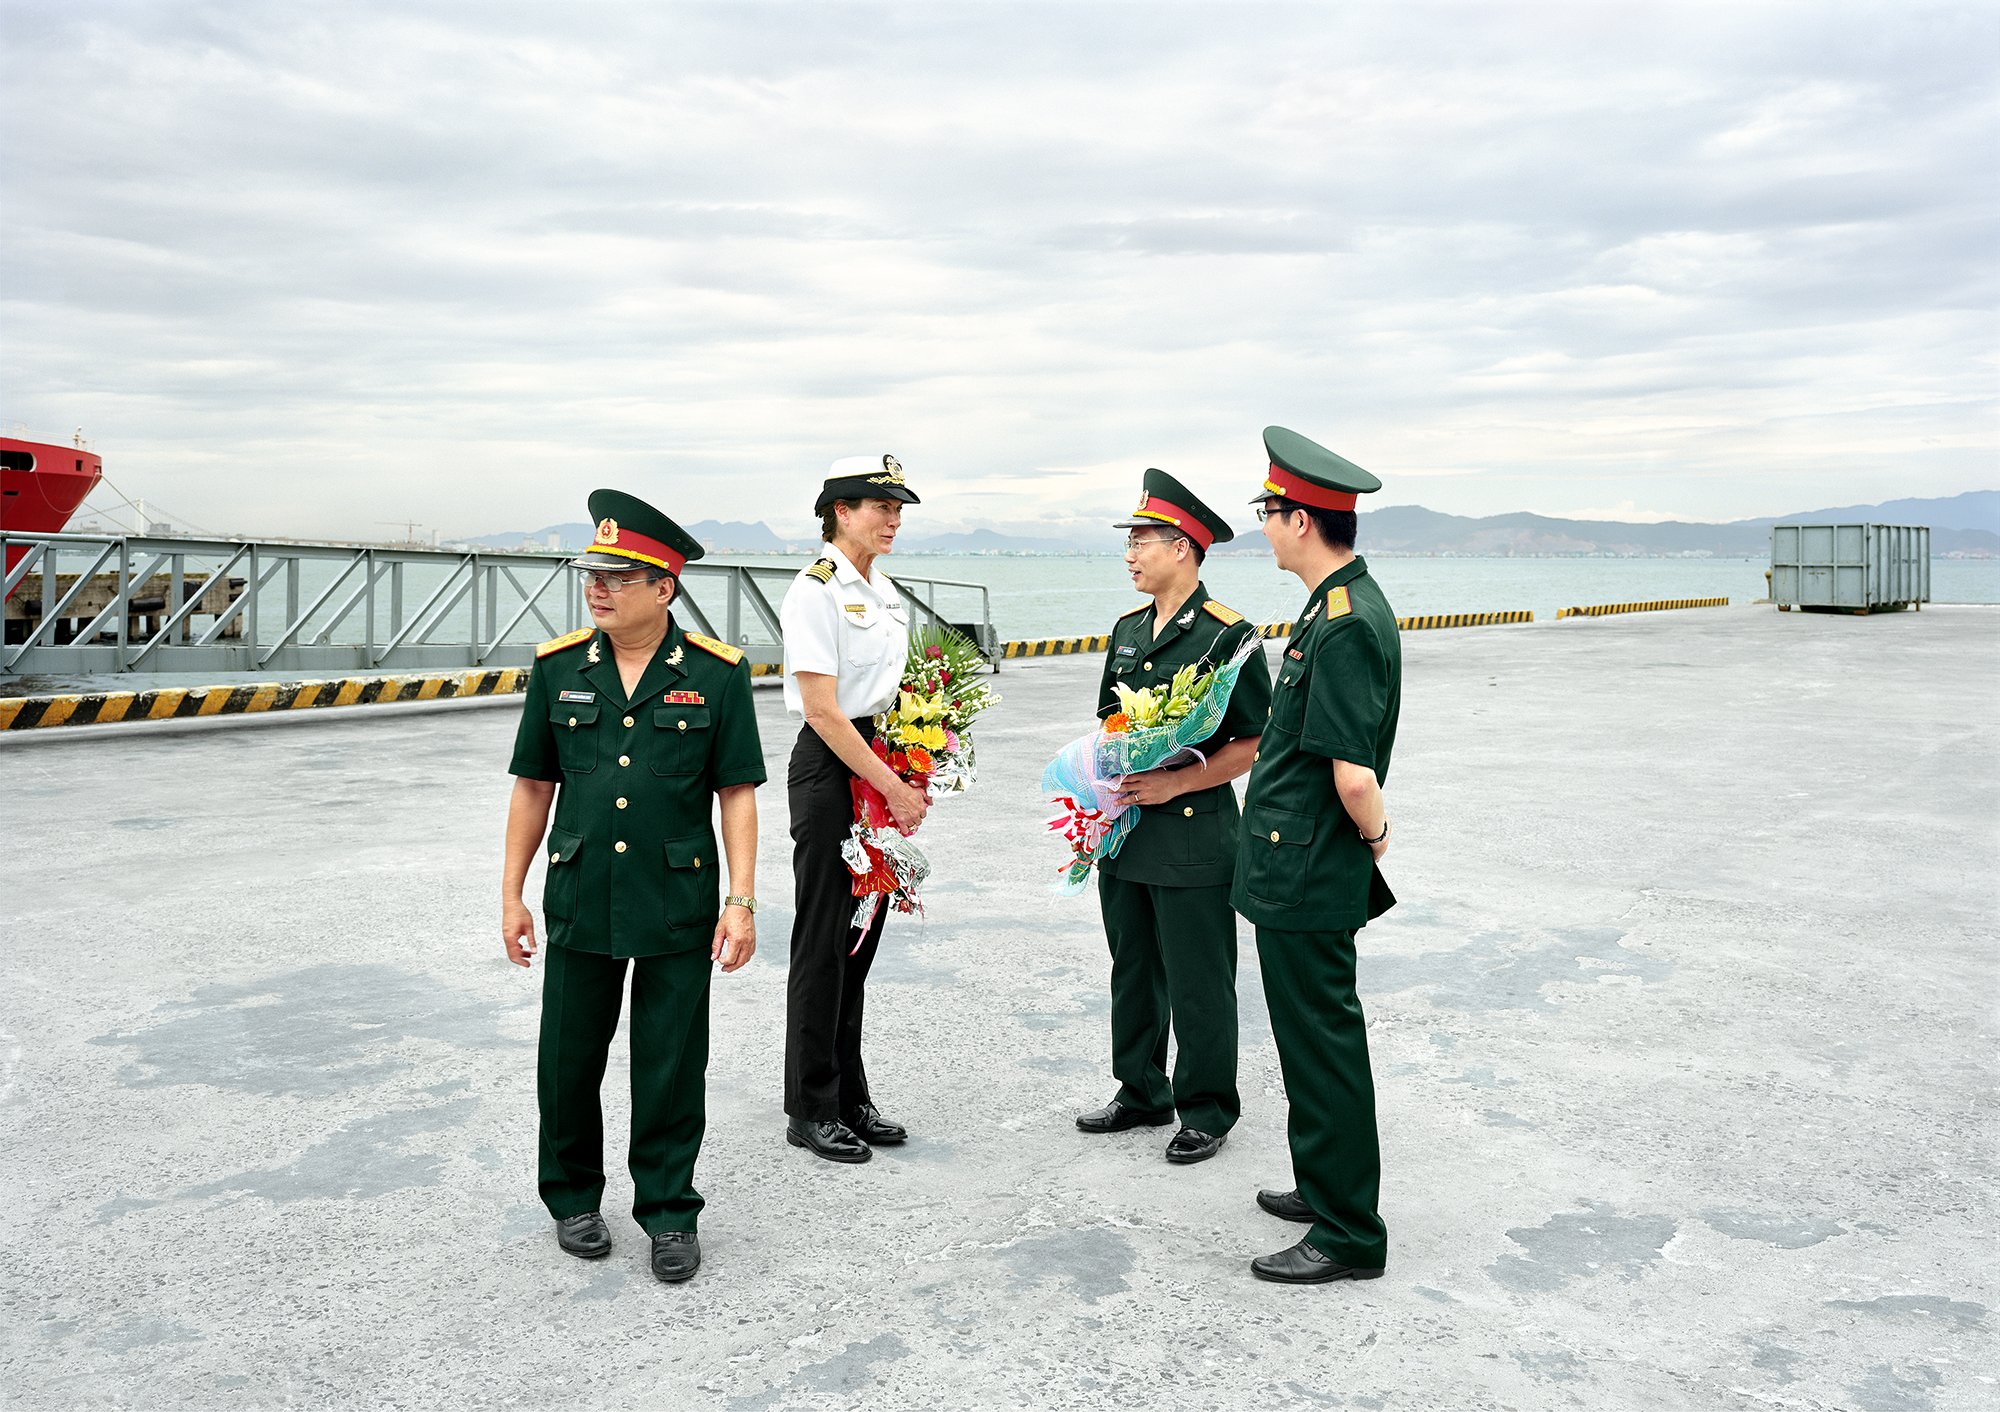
(829, 520)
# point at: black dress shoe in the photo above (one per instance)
(1115, 1117)
(1301, 1264)
(676, 1256)
(1194, 1145)
(1285, 1205)
(585, 1236)
(828, 1139)
(871, 1127)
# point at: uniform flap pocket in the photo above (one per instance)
(563, 845)
(695, 852)
(573, 713)
(681, 718)
(1278, 825)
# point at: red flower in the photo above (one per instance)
(933, 651)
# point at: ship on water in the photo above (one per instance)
(41, 484)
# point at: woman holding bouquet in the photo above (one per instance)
(846, 639)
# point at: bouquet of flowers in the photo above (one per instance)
(1152, 728)
(925, 738)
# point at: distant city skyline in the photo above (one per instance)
(303, 272)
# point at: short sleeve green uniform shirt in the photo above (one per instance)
(1189, 841)
(1302, 865)
(633, 865)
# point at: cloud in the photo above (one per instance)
(300, 270)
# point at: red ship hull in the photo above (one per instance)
(41, 484)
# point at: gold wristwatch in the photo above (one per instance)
(748, 904)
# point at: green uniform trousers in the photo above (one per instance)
(1322, 1042)
(581, 991)
(1173, 962)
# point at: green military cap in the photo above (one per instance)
(1308, 473)
(631, 533)
(1165, 501)
(864, 478)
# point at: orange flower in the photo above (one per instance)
(920, 760)
(1117, 723)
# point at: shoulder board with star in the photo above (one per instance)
(1229, 616)
(1140, 609)
(1337, 605)
(821, 569)
(568, 639)
(731, 655)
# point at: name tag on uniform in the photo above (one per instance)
(1128, 652)
(685, 698)
(578, 696)
(856, 608)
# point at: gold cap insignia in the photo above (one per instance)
(892, 472)
(607, 531)
(1140, 508)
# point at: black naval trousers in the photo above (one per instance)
(824, 1076)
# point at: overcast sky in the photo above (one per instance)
(299, 269)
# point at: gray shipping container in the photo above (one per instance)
(1850, 568)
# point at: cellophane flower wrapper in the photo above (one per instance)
(1085, 773)
(925, 738)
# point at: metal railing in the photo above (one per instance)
(95, 604)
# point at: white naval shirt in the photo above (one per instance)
(854, 629)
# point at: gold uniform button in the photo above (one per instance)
(556, 856)
(697, 862)
(628, 720)
(1188, 812)
(572, 721)
(1147, 668)
(620, 845)
(1274, 837)
(624, 759)
(621, 804)
(680, 725)
(1255, 756)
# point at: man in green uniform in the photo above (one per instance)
(1314, 827)
(631, 728)
(1165, 896)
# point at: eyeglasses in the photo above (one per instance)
(609, 582)
(1134, 541)
(1264, 512)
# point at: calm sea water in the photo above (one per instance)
(1066, 596)
(1060, 596)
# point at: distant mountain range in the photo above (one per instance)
(1967, 524)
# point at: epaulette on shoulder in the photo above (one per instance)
(1337, 605)
(1229, 616)
(1140, 609)
(568, 639)
(821, 569)
(731, 655)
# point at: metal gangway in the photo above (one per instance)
(84, 604)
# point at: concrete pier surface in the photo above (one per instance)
(1684, 1035)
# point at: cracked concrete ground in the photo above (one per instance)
(1684, 1036)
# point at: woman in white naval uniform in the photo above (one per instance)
(846, 637)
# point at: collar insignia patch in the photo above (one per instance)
(1186, 619)
(594, 656)
(674, 657)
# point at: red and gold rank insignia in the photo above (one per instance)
(685, 698)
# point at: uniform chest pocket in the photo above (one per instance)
(680, 740)
(1274, 854)
(575, 728)
(1288, 694)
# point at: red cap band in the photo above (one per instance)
(1155, 508)
(1298, 488)
(630, 544)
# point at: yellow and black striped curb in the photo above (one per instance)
(1100, 642)
(1600, 610)
(174, 703)
(1056, 646)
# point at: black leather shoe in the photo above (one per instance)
(1301, 1264)
(828, 1139)
(585, 1236)
(1285, 1205)
(676, 1256)
(1194, 1145)
(871, 1127)
(1115, 1117)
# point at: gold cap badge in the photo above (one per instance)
(892, 472)
(607, 531)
